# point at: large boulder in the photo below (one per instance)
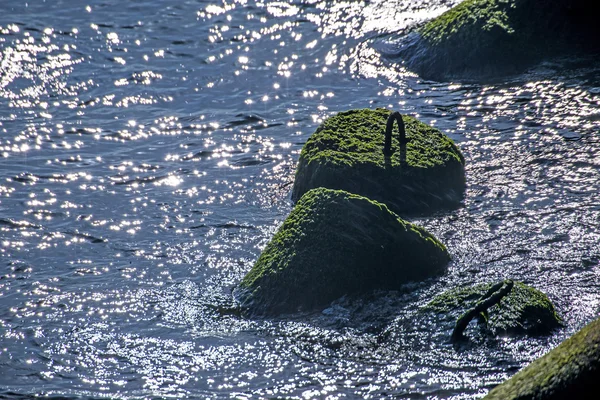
(346, 152)
(570, 371)
(487, 38)
(519, 310)
(332, 244)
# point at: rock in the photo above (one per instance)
(480, 310)
(523, 310)
(332, 244)
(570, 371)
(488, 38)
(346, 152)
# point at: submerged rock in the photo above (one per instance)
(332, 244)
(520, 310)
(346, 152)
(487, 38)
(570, 371)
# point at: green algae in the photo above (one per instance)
(471, 20)
(346, 152)
(332, 244)
(523, 310)
(568, 371)
(488, 38)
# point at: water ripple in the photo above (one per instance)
(147, 151)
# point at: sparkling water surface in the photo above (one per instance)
(147, 151)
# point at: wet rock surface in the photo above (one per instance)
(347, 152)
(519, 310)
(491, 38)
(335, 243)
(568, 371)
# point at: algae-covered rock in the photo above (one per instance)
(523, 310)
(346, 152)
(486, 38)
(570, 371)
(332, 244)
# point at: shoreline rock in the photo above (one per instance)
(346, 152)
(568, 371)
(336, 243)
(490, 38)
(522, 310)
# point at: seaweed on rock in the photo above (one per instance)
(347, 152)
(568, 371)
(520, 310)
(488, 38)
(332, 244)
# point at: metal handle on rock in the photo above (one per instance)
(395, 116)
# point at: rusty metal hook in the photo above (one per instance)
(395, 116)
(491, 298)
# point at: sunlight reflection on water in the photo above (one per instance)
(146, 155)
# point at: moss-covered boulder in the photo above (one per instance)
(570, 371)
(332, 244)
(487, 38)
(522, 310)
(346, 152)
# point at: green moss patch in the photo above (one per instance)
(332, 244)
(570, 371)
(491, 37)
(346, 152)
(523, 310)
